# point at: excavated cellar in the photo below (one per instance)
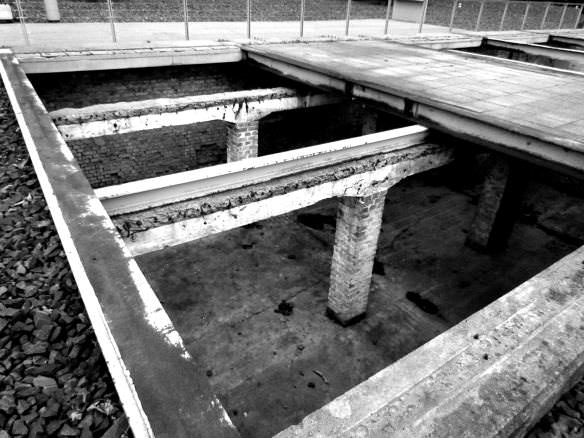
(116, 159)
(250, 303)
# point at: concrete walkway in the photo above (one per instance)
(81, 35)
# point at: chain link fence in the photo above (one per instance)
(482, 15)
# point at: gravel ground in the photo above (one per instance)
(53, 379)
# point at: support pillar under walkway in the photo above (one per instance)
(497, 205)
(242, 140)
(358, 226)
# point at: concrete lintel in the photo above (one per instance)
(568, 40)
(492, 375)
(169, 189)
(419, 159)
(438, 41)
(233, 107)
(561, 154)
(122, 58)
(522, 36)
(145, 355)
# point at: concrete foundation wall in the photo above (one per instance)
(76, 90)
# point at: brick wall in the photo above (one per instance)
(202, 10)
(75, 90)
(116, 159)
(127, 157)
(358, 227)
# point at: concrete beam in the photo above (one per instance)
(518, 141)
(492, 375)
(171, 189)
(572, 41)
(439, 41)
(573, 58)
(122, 56)
(162, 388)
(232, 107)
(249, 197)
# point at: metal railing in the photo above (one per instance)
(527, 7)
(565, 13)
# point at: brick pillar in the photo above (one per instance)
(497, 206)
(242, 140)
(358, 226)
(369, 122)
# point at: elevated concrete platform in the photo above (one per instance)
(126, 55)
(517, 109)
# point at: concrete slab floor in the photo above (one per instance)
(271, 368)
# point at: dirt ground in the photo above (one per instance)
(250, 303)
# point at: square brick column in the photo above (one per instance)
(358, 227)
(242, 140)
(497, 205)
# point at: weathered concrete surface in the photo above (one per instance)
(232, 107)
(223, 290)
(144, 353)
(126, 55)
(494, 374)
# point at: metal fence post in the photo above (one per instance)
(503, 16)
(22, 24)
(348, 18)
(186, 15)
(563, 16)
(110, 9)
(525, 16)
(578, 16)
(389, 3)
(478, 23)
(302, 5)
(452, 15)
(545, 14)
(249, 19)
(423, 16)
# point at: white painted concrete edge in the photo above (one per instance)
(222, 170)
